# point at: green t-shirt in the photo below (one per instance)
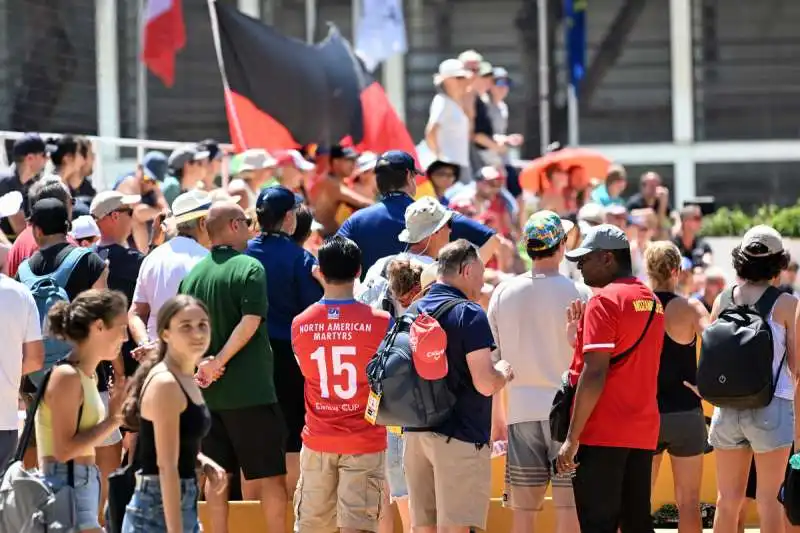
(232, 285)
(171, 189)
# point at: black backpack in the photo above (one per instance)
(735, 368)
(408, 400)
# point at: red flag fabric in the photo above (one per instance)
(324, 96)
(164, 37)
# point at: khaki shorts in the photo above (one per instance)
(339, 491)
(449, 481)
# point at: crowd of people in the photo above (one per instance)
(215, 313)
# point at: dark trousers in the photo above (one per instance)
(612, 489)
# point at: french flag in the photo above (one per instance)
(164, 36)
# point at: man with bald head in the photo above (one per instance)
(247, 427)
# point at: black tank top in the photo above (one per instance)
(678, 364)
(195, 422)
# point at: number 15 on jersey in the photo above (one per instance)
(345, 371)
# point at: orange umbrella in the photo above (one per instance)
(592, 164)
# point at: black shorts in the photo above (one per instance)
(250, 438)
(290, 389)
(683, 433)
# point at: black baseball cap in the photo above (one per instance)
(397, 161)
(343, 152)
(51, 216)
(31, 143)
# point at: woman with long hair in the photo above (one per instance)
(72, 420)
(683, 426)
(167, 406)
(766, 433)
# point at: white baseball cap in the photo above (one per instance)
(10, 203)
(84, 227)
(256, 159)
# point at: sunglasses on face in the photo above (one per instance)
(124, 210)
(247, 220)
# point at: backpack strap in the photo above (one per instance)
(25, 274)
(64, 271)
(619, 358)
(27, 431)
(726, 298)
(445, 307)
(767, 301)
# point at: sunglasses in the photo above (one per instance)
(246, 220)
(124, 210)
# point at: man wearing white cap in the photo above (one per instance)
(448, 131)
(166, 266)
(85, 231)
(427, 231)
(253, 168)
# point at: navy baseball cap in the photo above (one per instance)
(278, 200)
(31, 143)
(398, 161)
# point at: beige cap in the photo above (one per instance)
(429, 275)
(106, 202)
(256, 159)
(761, 241)
(424, 217)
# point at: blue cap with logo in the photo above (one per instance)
(397, 161)
(278, 199)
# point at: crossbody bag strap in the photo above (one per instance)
(28, 429)
(619, 358)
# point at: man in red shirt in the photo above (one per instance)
(342, 466)
(615, 420)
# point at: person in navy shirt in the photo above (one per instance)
(459, 447)
(375, 228)
(291, 288)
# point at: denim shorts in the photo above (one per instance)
(763, 430)
(87, 491)
(145, 512)
(394, 467)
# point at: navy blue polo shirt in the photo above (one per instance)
(467, 329)
(290, 286)
(375, 229)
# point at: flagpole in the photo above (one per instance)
(141, 85)
(311, 20)
(544, 78)
(573, 115)
(233, 115)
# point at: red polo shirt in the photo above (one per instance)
(626, 415)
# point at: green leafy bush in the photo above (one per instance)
(735, 222)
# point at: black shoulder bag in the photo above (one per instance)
(561, 411)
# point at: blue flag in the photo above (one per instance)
(575, 17)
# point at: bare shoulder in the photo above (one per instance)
(162, 395)
(785, 308)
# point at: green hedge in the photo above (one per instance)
(734, 222)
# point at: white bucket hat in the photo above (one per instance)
(450, 68)
(424, 217)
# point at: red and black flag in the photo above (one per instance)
(282, 93)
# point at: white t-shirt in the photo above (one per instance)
(454, 129)
(19, 324)
(375, 287)
(528, 317)
(162, 272)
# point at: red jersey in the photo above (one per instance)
(626, 415)
(333, 341)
